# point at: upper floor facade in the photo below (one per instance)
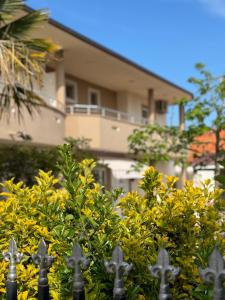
(95, 93)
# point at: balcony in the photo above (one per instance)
(105, 113)
(107, 129)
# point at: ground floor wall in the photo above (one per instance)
(200, 175)
(45, 126)
(121, 173)
(168, 168)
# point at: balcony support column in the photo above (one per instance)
(151, 106)
(181, 117)
(60, 81)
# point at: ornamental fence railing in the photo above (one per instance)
(163, 270)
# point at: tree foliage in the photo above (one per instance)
(155, 143)
(187, 222)
(23, 161)
(204, 113)
(22, 57)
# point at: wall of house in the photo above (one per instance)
(46, 89)
(108, 97)
(87, 126)
(160, 119)
(131, 103)
(123, 101)
(105, 134)
(114, 135)
(205, 173)
(167, 168)
(135, 103)
(45, 126)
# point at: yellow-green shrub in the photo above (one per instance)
(187, 222)
(84, 214)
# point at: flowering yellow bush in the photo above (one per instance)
(187, 222)
(25, 215)
(60, 218)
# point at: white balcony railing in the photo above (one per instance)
(104, 112)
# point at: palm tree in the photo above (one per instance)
(22, 58)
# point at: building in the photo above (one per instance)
(93, 92)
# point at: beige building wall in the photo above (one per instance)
(135, 103)
(45, 127)
(132, 103)
(122, 101)
(105, 134)
(114, 135)
(160, 119)
(87, 126)
(47, 89)
(167, 168)
(108, 97)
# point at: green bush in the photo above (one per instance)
(23, 161)
(187, 222)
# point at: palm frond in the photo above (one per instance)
(22, 59)
(22, 27)
(19, 97)
(8, 9)
(41, 45)
(18, 73)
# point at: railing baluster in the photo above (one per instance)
(13, 257)
(44, 261)
(215, 274)
(164, 270)
(76, 262)
(120, 268)
(103, 111)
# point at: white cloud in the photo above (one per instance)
(214, 6)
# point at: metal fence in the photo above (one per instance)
(214, 274)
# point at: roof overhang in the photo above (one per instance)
(95, 63)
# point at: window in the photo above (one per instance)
(71, 92)
(93, 96)
(145, 112)
(161, 106)
(100, 175)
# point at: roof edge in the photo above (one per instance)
(110, 52)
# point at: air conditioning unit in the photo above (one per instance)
(161, 106)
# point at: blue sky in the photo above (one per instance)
(166, 36)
